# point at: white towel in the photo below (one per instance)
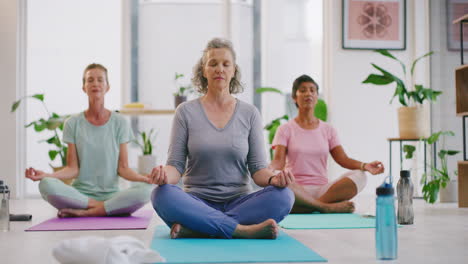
(99, 250)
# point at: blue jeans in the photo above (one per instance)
(174, 205)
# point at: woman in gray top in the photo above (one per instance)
(217, 145)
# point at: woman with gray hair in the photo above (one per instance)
(217, 145)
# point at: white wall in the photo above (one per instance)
(291, 46)
(63, 37)
(361, 113)
(443, 67)
(8, 65)
(172, 36)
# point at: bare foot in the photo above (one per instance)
(178, 231)
(68, 212)
(268, 229)
(340, 207)
(97, 210)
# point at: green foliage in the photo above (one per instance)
(405, 96)
(146, 141)
(53, 123)
(320, 111)
(437, 178)
(182, 90)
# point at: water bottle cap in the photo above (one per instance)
(3, 188)
(405, 173)
(385, 189)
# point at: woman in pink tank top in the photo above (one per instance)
(302, 146)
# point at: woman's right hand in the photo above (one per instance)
(35, 175)
(158, 175)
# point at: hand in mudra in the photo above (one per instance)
(33, 174)
(375, 167)
(158, 176)
(283, 179)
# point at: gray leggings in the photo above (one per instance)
(61, 195)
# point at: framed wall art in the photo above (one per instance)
(374, 24)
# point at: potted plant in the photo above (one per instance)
(54, 123)
(182, 90)
(438, 178)
(320, 112)
(147, 161)
(411, 97)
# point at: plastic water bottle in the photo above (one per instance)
(405, 199)
(4, 207)
(386, 241)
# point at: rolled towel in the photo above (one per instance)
(99, 250)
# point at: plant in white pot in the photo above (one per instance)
(411, 120)
(438, 178)
(147, 161)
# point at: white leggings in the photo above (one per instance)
(357, 176)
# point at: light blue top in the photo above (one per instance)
(98, 149)
(217, 162)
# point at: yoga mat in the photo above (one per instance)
(138, 220)
(327, 221)
(211, 250)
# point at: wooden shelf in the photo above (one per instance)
(461, 84)
(138, 112)
(458, 20)
(463, 183)
(404, 139)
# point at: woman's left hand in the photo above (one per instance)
(375, 167)
(283, 179)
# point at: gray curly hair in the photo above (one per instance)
(201, 82)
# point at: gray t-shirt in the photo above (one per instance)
(219, 161)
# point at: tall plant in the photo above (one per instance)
(320, 112)
(407, 94)
(53, 123)
(437, 178)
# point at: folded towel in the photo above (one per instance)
(99, 250)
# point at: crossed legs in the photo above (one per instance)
(251, 216)
(331, 198)
(72, 203)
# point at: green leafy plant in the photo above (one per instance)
(320, 112)
(146, 141)
(53, 123)
(437, 178)
(182, 90)
(418, 94)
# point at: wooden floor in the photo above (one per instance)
(439, 235)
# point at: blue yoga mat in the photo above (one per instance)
(210, 250)
(327, 221)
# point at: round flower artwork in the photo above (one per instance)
(373, 20)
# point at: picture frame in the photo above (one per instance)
(455, 10)
(374, 24)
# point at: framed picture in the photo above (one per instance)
(455, 10)
(374, 24)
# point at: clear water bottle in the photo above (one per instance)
(4, 207)
(386, 241)
(405, 199)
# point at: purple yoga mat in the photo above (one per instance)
(138, 220)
